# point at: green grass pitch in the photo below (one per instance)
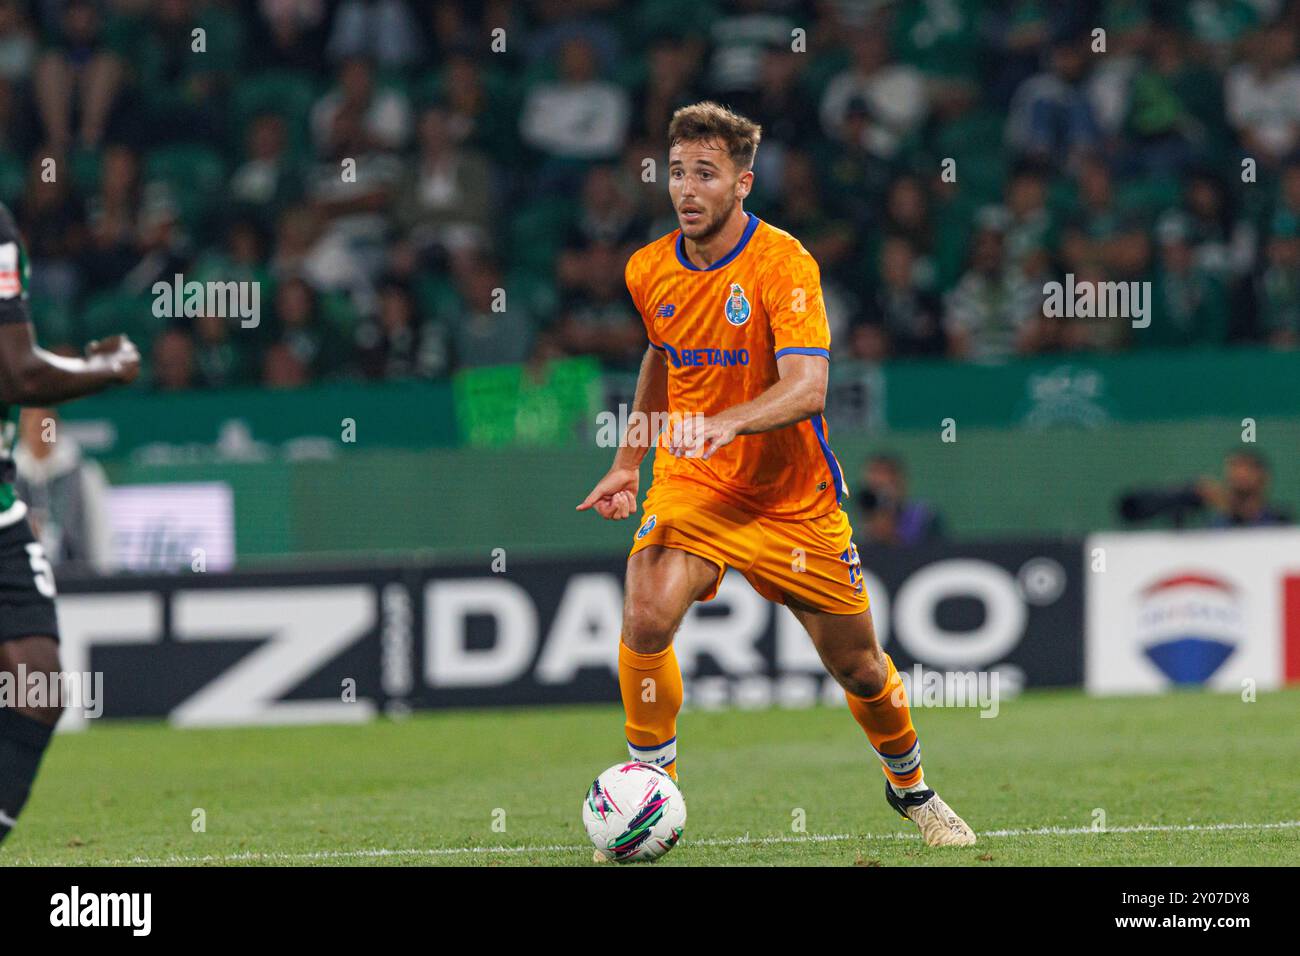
(1188, 778)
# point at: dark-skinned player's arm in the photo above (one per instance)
(799, 393)
(29, 375)
(614, 496)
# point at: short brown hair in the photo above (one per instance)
(710, 121)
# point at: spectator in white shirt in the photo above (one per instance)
(1263, 97)
(893, 94)
(579, 115)
(385, 114)
(66, 493)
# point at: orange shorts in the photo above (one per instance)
(813, 560)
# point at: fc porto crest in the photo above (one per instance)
(737, 308)
(646, 528)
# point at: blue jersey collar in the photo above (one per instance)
(740, 247)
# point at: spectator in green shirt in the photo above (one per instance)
(1190, 305)
(1279, 285)
(489, 328)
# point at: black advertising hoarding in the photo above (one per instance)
(959, 607)
(239, 648)
(343, 645)
(548, 632)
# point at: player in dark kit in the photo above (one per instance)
(29, 631)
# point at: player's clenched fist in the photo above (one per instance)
(120, 354)
(614, 496)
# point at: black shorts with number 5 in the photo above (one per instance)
(26, 586)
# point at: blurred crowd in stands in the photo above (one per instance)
(509, 156)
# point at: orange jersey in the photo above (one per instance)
(721, 330)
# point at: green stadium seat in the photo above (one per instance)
(975, 140)
(395, 78)
(85, 169)
(337, 309)
(536, 291)
(496, 128)
(668, 18)
(282, 92)
(13, 175)
(537, 233)
(436, 296)
(1150, 195)
(55, 321)
(821, 69)
(108, 313)
(196, 175)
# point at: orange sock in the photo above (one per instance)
(651, 685)
(888, 724)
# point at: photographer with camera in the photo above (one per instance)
(893, 518)
(1240, 500)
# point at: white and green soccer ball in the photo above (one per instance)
(634, 811)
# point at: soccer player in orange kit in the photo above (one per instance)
(744, 478)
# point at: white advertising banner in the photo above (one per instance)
(1218, 609)
(170, 527)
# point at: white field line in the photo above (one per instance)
(253, 856)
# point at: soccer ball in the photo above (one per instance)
(634, 811)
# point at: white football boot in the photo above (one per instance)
(938, 824)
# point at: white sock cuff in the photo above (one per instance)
(660, 755)
(905, 763)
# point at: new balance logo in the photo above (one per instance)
(666, 311)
